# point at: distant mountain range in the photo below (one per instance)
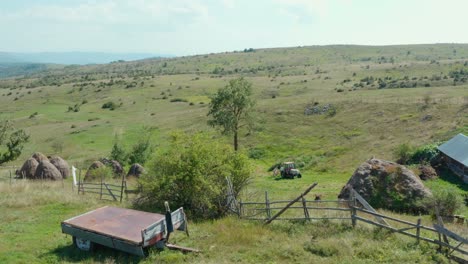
(72, 57)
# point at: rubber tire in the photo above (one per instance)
(299, 176)
(91, 245)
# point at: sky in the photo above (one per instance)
(188, 27)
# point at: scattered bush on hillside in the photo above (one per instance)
(75, 108)
(446, 200)
(256, 153)
(403, 153)
(33, 115)
(141, 151)
(192, 173)
(109, 105)
(175, 100)
(118, 152)
(406, 154)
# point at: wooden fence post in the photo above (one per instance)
(353, 208)
(306, 211)
(267, 206)
(418, 230)
(240, 208)
(79, 181)
(122, 187)
(100, 194)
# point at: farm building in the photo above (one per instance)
(455, 153)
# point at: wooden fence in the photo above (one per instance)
(106, 191)
(355, 209)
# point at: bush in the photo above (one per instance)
(109, 105)
(256, 153)
(100, 173)
(424, 154)
(118, 153)
(175, 100)
(141, 151)
(192, 174)
(446, 200)
(403, 153)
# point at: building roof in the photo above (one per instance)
(456, 148)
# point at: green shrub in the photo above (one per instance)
(118, 152)
(175, 100)
(424, 154)
(103, 173)
(256, 153)
(192, 174)
(109, 105)
(446, 200)
(141, 151)
(403, 153)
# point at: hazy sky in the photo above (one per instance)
(183, 27)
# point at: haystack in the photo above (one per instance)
(28, 169)
(96, 165)
(136, 170)
(117, 168)
(45, 170)
(39, 157)
(61, 165)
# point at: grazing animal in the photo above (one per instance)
(318, 197)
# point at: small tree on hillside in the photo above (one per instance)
(230, 107)
(11, 142)
(118, 152)
(192, 173)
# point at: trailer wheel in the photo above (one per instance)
(83, 244)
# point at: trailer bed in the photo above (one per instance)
(119, 223)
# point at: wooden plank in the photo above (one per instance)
(291, 203)
(394, 219)
(299, 218)
(450, 234)
(433, 241)
(110, 191)
(308, 207)
(368, 207)
(181, 248)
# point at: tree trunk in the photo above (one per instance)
(235, 141)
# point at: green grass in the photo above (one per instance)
(368, 122)
(32, 212)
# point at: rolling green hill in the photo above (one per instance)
(383, 96)
(329, 108)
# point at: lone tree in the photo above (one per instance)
(230, 107)
(11, 142)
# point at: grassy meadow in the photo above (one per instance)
(32, 212)
(424, 100)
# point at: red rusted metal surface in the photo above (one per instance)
(120, 223)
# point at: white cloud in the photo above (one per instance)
(229, 3)
(311, 7)
(114, 12)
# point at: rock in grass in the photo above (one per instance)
(386, 184)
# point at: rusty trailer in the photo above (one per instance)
(123, 229)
